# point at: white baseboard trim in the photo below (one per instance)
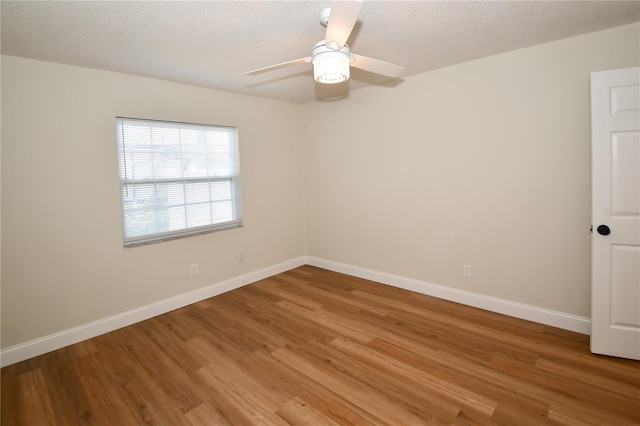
(36, 347)
(30, 349)
(493, 304)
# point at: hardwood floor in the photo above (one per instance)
(315, 347)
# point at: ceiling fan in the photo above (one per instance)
(331, 57)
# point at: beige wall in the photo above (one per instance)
(485, 163)
(63, 260)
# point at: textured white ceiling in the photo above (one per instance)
(211, 43)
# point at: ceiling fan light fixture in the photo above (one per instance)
(331, 58)
(330, 66)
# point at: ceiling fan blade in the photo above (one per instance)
(278, 66)
(376, 66)
(343, 16)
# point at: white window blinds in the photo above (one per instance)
(176, 179)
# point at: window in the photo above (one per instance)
(176, 179)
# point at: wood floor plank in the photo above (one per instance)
(169, 343)
(269, 286)
(405, 310)
(352, 390)
(315, 347)
(418, 397)
(69, 398)
(233, 332)
(107, 399)
(307, 291)
(244, 397)
(207, 414)
(441, 390)
(590, 378)
(184, 392)
(31, 386)
(149, 401)
(447, 336)
(298, 412)
(186, 323)
(324, 319)
(464, 373)
(9, 389)
(268, 318)
(324, 400)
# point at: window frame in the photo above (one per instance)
(127, 182)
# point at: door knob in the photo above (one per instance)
(603, 230)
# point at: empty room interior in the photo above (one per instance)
(399, 249)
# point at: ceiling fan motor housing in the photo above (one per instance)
(330, 66)
(324, 16)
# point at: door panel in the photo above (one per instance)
(625, 99)
(625, 274)
(625, 173)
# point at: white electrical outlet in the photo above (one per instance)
(194, 269)
(466, 270)
(241, 257)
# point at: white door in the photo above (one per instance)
(615, 243)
